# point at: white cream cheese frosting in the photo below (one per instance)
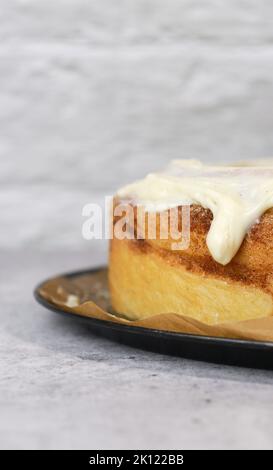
(236, 195)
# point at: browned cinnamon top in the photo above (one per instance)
(253, 263)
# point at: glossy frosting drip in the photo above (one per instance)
(236, 195)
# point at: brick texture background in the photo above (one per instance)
(95, 93)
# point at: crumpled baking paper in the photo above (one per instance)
(87, 295)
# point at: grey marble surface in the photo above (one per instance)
(63, 388)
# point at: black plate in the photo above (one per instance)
(236, 352)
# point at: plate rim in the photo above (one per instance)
(216, 340)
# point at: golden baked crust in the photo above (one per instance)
(147, 277)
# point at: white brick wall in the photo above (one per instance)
(94, 93)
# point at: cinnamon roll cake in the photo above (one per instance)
(223, 270)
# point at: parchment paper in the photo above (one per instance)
(88, 295)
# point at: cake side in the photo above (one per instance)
(147, 277)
